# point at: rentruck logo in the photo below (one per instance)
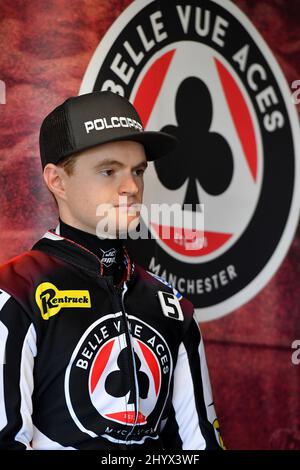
(50, 299)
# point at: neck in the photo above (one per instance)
(109, 251)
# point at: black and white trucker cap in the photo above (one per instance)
(84, 121)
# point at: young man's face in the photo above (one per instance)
(106, 180)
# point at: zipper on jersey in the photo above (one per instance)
(137, 394)
(120, 293)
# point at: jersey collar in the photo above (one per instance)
(71, 252)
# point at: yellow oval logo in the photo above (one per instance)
(50, 299)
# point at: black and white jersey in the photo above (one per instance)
(87, 365)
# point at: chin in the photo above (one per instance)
(112, 227)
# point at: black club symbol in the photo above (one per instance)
(116, 383)
(201, 154)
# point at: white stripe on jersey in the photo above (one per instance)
(207, 392)
(184, 404)
(52, 236)
(29, 351)
(41, 442)
(4, 296)
(3, 339)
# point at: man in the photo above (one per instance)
(97, 353)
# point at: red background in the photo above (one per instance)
(45, 49)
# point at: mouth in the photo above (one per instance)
(127, 206)
(131, 210)
(125, 202)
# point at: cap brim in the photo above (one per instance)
(157, 144)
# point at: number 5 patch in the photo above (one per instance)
(170, 305)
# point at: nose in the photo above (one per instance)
(128, 185)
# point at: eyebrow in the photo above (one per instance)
(110, 162)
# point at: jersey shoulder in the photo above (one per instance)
(159, 283)
(18, 274)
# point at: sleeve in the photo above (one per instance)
(191, 422)
(17, 353)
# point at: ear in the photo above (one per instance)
(55, 179)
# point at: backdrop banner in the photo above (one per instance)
(224, 78)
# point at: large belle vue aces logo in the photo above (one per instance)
(200, 71)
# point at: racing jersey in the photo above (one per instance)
(86, 364)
